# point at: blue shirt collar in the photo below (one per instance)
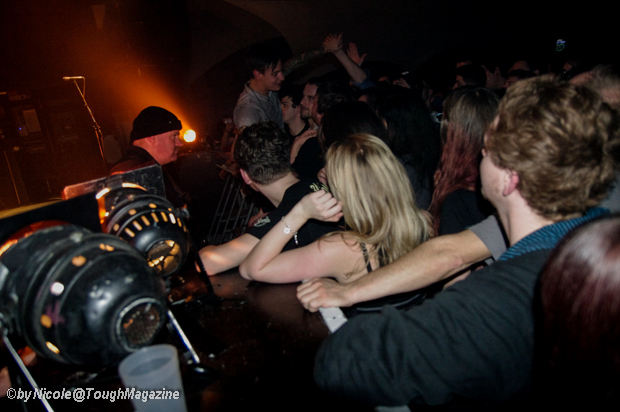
(549, 236)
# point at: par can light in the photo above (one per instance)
(78, 297)
(149, 223)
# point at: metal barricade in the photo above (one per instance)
(233, 212)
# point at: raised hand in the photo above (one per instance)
(354, 54)
(332, 43)
(402, 83)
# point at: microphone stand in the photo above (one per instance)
(98, 132)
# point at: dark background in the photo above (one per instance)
(186, 55)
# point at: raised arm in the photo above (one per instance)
(333, 44)
(267, 263)
(300, 60)
(354, 54)
(430, 262)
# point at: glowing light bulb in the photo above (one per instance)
(189, 136)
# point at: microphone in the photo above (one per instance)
(72, 77)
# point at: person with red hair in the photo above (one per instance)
(580, 286)
(457, 203)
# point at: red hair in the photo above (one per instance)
(580, 289)
(467, 114)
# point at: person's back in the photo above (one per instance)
(413, 137)
(457, 203)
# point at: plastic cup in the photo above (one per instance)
(154, 368)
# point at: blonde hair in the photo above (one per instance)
(377, 199)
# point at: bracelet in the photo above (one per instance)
(288, 230)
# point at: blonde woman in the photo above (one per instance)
(371, 190)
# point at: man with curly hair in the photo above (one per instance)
(547, 161)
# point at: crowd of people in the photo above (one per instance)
(383, 185)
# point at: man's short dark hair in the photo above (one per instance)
(492, 62)
(521, 74)
(331, 93)
(473, 75)
(529, 62)
(315, 81)
(261, 57)
(296, 93)
(263, 150)
(347, 118)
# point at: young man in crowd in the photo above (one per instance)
(259, 100)
(290, 102)
(473, 344)
(263, 154)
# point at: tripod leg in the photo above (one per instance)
(184, 340)
(24, 370)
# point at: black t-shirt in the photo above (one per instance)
(461, 209)
(421, 185)
(309, 160)
(293, 137)
(311, 231)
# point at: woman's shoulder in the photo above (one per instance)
(340, 246)
(345, 251)
(341, 240)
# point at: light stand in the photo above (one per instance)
(98, 131)
(22, 368)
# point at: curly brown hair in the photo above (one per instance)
(558, 138)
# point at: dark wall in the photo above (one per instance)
(186, 55)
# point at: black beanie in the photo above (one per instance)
(153, 121)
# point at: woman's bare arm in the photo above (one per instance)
(267, 263)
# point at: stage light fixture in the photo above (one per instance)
(149, 223)
(78, 297)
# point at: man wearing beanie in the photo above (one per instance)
(155, 140)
